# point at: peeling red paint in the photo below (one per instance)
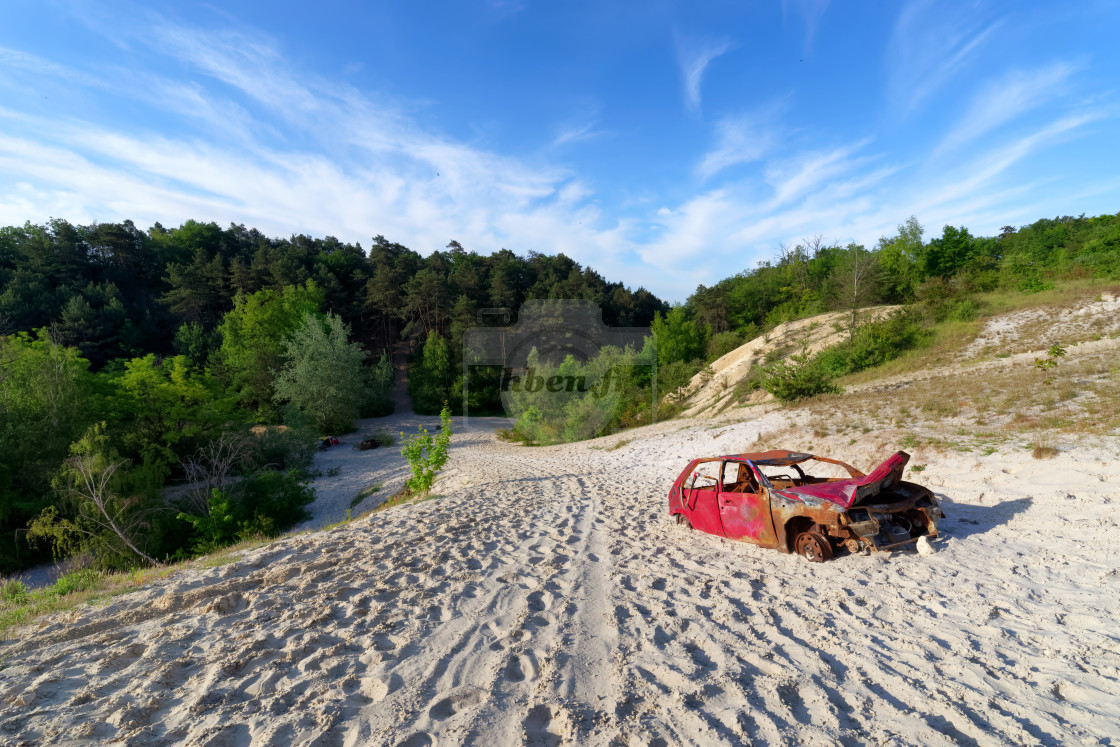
(731, 496)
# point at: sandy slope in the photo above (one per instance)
(800, 336)
(546, 599)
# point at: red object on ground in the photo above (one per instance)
(756, 498)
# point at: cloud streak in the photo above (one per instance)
(247, 137)
(929, 46)
(1006, 99)
(694, 60)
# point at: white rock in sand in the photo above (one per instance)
(924, 546)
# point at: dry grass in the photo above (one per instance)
(1043, 449)
(980, 409)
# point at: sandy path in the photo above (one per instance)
(546, 599)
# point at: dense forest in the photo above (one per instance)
(161, 391)
(132, 360)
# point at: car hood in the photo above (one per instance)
(850, 491)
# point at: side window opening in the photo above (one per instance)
(704, 477)
(738, 478)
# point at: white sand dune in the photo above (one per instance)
(547, 599)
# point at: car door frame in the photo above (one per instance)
(700, 504)
(747, 517)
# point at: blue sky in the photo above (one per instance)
(663, 144)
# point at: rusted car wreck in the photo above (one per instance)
(770, 500)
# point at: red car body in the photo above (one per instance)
(743, 497)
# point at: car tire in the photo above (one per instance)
(813, 546)
(683, 521)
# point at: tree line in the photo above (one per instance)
(142, 358)
(133, 360)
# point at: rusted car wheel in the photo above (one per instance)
(813, 547)
(683, 521)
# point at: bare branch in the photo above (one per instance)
(212, 467)
(93, 487)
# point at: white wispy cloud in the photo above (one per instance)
(740, 140)
(844, 196)
(1004, 100)
(577, 132)
(694, 59)
(808, 171)
(929, 45)
(811, 13)
(255, 140)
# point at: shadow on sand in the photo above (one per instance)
(964, 520)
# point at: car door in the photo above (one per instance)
(744, 510)
(700, 491)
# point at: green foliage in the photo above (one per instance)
(678, 337)
(323, 377)
(573, 401)
(379, 388)
(723, 343)
(166, 409)
(13, 591)
(899, 258)
(873, 344)
(426, 456)
(286, 448)
(940, 300)
(1050, 362)
(217, 528)
(196, 343)
(1034, 285)
(80, 580)
(104, 515)
(950, 253)
(673, 380)
(255, 336)
(45, 404)
(271, 501)
(431, 377)
(799, 377)
(263, 503)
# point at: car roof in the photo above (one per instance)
(777, 458)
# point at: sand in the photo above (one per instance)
(711, 394)
(546, 598)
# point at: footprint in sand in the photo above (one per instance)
(539, 601)
(449, 706)
(542, 726)
(521, 668)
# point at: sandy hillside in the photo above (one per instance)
(546, 599)
(803, 335)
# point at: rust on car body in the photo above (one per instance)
(767, 498)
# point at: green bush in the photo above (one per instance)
(287, 448)
(81, 580)
(215, 530)
(426, 456)
(799, 377)
(874, 345)
(271, 501)
(723, 343)
(13, 591)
